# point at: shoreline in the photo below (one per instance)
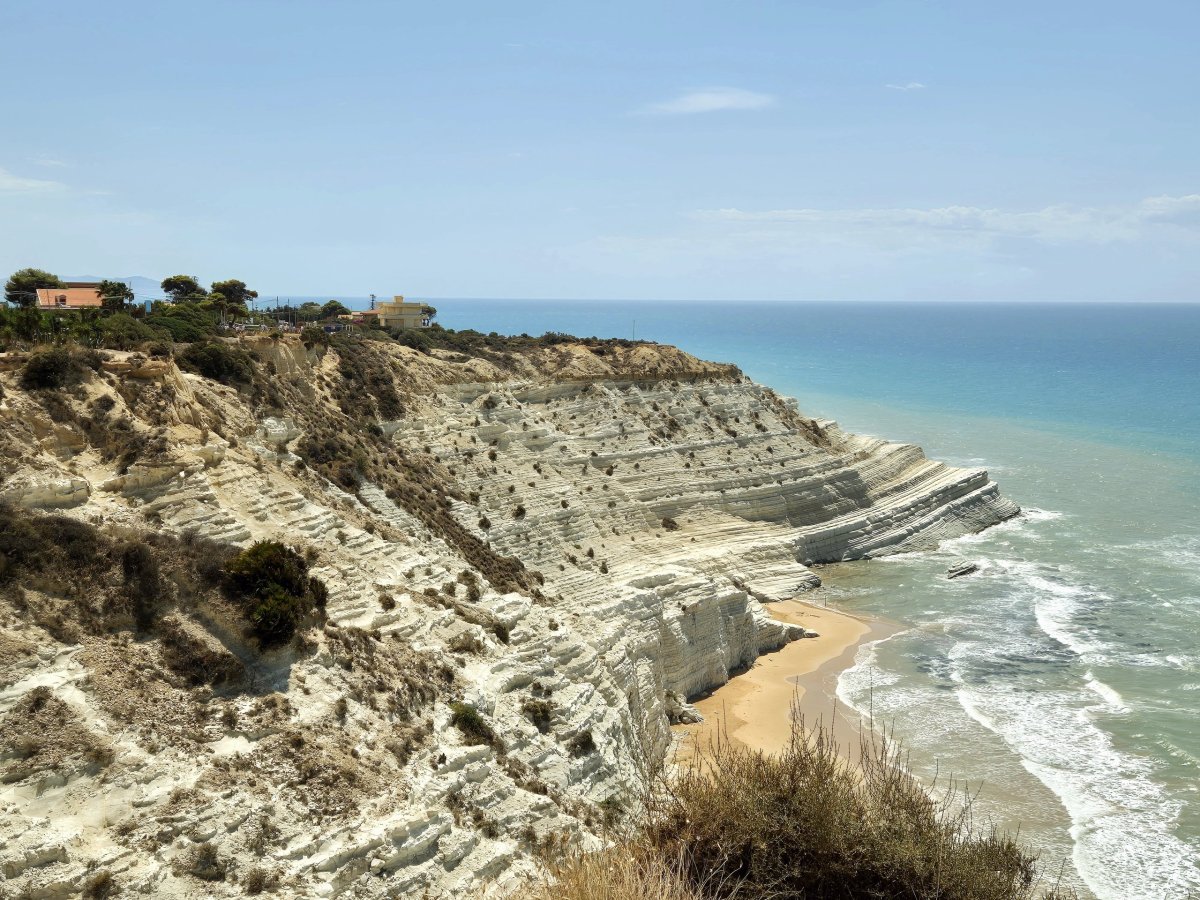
(754, 707)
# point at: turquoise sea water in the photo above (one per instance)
(1063, 679)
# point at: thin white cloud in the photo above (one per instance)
(909, 86)
(48, 162)
(708, 100)
(1051, 224)
(949, 252)
(15, 184)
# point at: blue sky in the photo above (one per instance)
(753, 150)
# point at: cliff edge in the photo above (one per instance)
(534, 551)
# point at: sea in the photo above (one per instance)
(1060, 684)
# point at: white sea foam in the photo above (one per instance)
(1054, 606)
(1026, 524)
(1115, 702)
(1122, 820)
(1180, 549)
(1183, 663)
(1023, 641)
(857, 683)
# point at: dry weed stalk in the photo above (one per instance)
(808, 822)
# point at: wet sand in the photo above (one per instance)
(754, 708)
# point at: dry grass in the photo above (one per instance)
(804, 823)
(634, 871)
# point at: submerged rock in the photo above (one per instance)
(960, 569)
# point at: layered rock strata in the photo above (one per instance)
(663, 500)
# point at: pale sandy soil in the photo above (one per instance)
(754, 708)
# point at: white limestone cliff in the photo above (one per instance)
(663, 504)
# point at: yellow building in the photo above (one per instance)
(400, 313)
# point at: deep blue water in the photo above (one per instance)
(1065, 677)
(1123, 372)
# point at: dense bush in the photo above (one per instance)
(122, 331)
(368, 386)
(54, 367)
(186, 322)
(539, 712)
(474, 728)
(218, 361)
(477, 343)
(315, 336)
(270, 582)
(415, 338)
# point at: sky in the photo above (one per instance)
(904, 150)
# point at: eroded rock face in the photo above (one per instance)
(663, 501)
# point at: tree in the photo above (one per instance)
(22, 286)
(309, 311)
(183, 288)
(187, 322)
(115, 295)
(270, 582)
(333, 309)
(234, 291)
(122, 331)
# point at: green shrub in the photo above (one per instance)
(367, 380)
(186, 322)
(203, 862)
(412, 337)
(51, 544)
(315, 336)
(271, 583)
(51, 368)
(122, 331)
(474, 728)
(218, 361)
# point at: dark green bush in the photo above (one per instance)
(52, 368)
(415, 338)
(99, 886)
(368, 384)
(270, 582)
(186, 322)
(40, 543)
(315, 336)
(474, 728)
(218, 361)
(122, 331)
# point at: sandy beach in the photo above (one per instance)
(754, 707)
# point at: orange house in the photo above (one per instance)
(76, 295)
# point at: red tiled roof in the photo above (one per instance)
(69, 298)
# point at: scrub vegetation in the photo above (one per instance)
(805, 823)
